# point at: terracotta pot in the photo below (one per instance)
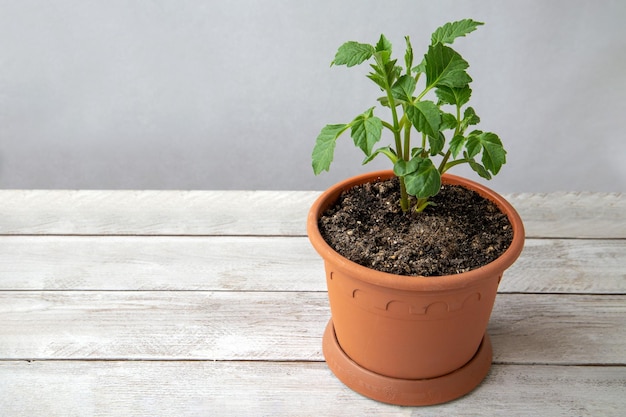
(409, 340)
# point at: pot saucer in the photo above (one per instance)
(409, 392)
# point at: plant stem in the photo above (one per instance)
(423, 93)
(387, 125)
(407, 141)
(422, 203)
(396, 125)
(453, 163)
(442, 167)
(404, 196)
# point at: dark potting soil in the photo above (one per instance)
(463, 231)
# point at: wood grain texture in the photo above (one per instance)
(219, 263)
(572, 215)
(525, 329)
(77, 389)
(582, 215)
(91, 212)
(266, 263)
(193, 303)
(568, 266)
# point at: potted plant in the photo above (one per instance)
(409, 315)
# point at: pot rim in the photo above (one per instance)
(415, 283)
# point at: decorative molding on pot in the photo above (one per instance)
(414, 307)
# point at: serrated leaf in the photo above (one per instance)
(479, 169)
(387, 150)
(382, 58)
(393, 71)
(493, 153)
(423, 182)
(450, 31)
(404, 88)
(469, 118)
(445, 67)
(445, 95)
(473, 144)
(366, 130)
(379, 79)
(420, 68)
(448, 121)
(383, 44)
(385, 71)
(408, 55)
(353, 53)
(436, 143)
(454, 96)
(324, 149)
(425, 116)
(456, 145)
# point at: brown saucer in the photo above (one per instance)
(406, 391)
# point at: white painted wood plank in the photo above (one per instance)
(162, 325)
(266, 264)
(586, 215)
(160, 263)
(573, 215)
(559, 329)
(568, 266)
(68, 389)
(129, 212)
(210, 326)
(548, 329)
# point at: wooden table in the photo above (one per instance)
(206, 303)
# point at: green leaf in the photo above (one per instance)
(353, 53)
(393, 71)
(473, 144)
(408, 55)
(479, 169)
(436, 143)
(404, 88)
(384, 101)
(366, 130)
(387, 150)
(417, 151)
(454, 96)
(448, 121)
(450, 31)
(445, 67)
(425, 116)
(385, 71)
(324, 149)
(493, 153)
(402, 168)
(469, 118)
(378, 78)
(456, 145)
(420, 68)
(423, 182)
(383, 44)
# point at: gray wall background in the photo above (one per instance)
(191, 94)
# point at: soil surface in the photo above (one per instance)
(462, 232)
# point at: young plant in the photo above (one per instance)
(444, 74)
